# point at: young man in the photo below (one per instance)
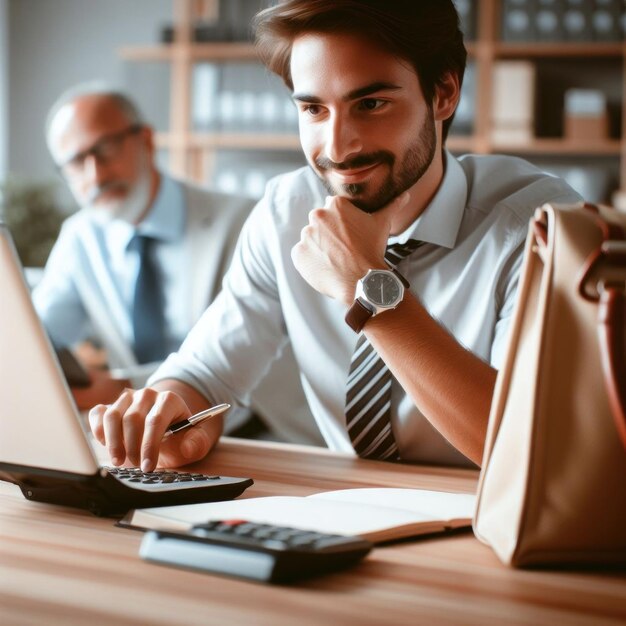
(376, 85)
(140, 262)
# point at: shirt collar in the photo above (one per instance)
(163, 221)
(440, 222)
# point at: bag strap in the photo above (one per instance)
(611, 299)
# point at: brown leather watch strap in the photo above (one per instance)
(357, 315)
(402, 279)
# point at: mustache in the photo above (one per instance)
(362, 160)
(113, 185)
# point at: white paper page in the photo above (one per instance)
(327, 516)
(430, 505)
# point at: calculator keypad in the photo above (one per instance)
(272, 537)
(135, 475)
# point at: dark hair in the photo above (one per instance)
(424, 32)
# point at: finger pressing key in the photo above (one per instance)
(167, 408)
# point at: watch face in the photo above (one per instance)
(382, 288)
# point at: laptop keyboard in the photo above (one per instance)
(161, 477)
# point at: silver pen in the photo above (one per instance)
(195, 419)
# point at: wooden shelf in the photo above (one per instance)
(470, 143)
(226, 51)
(235, 51)
(566, 147)
(559, 50)
(146, 53)
(556, 50)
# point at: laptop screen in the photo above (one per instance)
(39, 424)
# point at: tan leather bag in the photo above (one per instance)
(553, 483)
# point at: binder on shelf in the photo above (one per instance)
(250, 100)
(548, 20)
(517, 20)
(605, 20)
(205, 86)
(577, 20)
(513, 102)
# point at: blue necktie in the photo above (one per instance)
(148, 308)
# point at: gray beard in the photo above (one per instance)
(130, 209)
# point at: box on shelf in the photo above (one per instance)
(586, 117)
(513, 111)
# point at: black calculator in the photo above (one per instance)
(259, 552)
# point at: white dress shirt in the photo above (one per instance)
(86, 245)
(466, 275)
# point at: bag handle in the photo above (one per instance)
(611, 299)
(611, 320)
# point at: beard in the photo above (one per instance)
(402, 176)
(129, 208)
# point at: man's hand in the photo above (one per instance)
(132, 427)
(102, 390)
(341, 242)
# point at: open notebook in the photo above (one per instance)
(378, 514)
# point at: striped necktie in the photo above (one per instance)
(148, 309)
(368, 397)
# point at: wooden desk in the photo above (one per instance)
(62, 566)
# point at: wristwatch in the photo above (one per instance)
(376, 292)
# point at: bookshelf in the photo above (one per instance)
(191, 152)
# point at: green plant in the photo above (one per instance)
(34, 216)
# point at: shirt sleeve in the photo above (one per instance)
(505, 317)
(56, 297)
(232, 346)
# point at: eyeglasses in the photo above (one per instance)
(103, 150)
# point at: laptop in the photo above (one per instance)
(45, 448)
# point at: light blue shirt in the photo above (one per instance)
(89, 250)
(466, 275)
